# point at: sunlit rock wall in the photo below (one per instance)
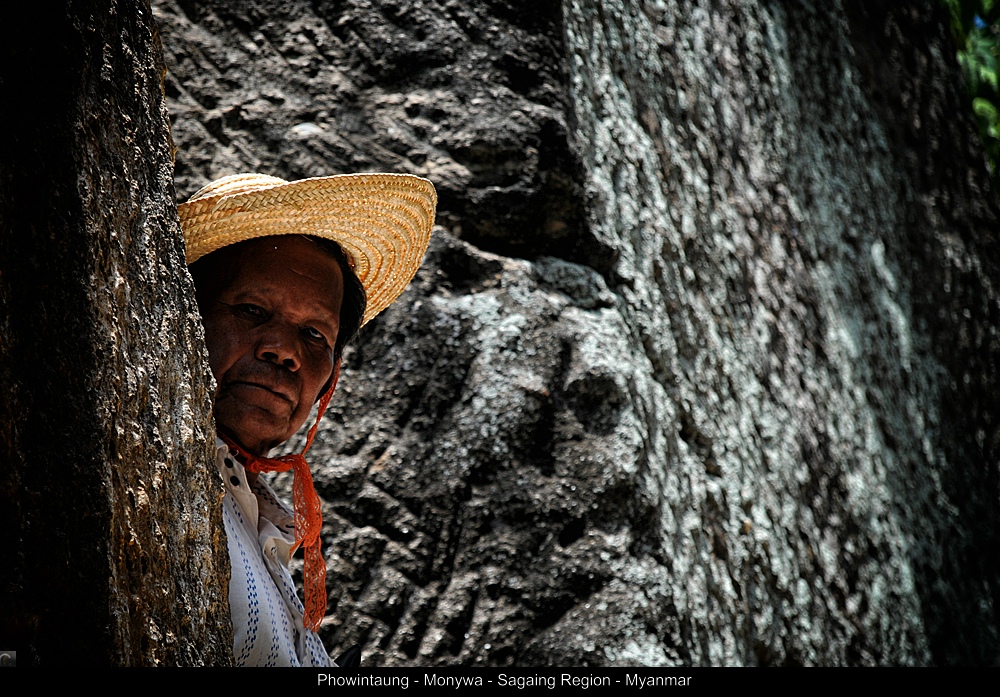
(701, 365)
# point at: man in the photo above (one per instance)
(285, 274)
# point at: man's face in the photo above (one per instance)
(270, 336)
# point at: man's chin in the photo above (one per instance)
(255, 429)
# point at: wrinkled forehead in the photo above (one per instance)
(264, 262)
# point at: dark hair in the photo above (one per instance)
(216, 271)
(355, 300)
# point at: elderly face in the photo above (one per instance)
(270, 335)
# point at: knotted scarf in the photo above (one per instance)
(308, 511)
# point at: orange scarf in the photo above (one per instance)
(308, 511)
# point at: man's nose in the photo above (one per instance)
(279, 343)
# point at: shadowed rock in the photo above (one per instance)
(114, 551)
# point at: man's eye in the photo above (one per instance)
(248, 310)
(313, 334)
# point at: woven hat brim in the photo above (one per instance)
(382, 221)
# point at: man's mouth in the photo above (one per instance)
(276, 390)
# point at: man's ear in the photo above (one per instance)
(331, 384)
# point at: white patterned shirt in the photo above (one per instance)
(266, 610)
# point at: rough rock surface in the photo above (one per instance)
(701, 367)
(113, 552)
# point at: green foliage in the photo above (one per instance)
(976, 26)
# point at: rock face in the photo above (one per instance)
(701, 367)
(114, 553)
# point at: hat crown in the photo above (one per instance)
(382, 222)
(237, 184)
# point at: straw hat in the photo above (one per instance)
(382, 221)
